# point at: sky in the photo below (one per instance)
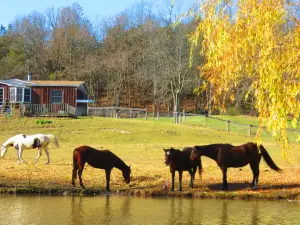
(93, 9)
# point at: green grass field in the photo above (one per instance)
(140, 144)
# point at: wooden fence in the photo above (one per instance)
(48, 110)
(185, 118)
(6, 110)
(117, 112)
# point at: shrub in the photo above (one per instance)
(43, 121)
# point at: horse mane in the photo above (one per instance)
(11, 140)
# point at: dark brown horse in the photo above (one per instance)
(227, 156)
(103, 159)
(180, 161)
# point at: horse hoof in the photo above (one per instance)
(254, 187)
(47, 163)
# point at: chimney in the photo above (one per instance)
(28, 77)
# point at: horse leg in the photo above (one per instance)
(180, 180)
(254, 175)
(225, 186)
(255, 171)
(81, 167)
(107, 173)
(47, 154)
(74, 171)
(256, 180)
(39, 155)
(20, 156)
(173, 177)
(192, 174)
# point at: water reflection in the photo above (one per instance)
(255, 214)
(76, 214)
(224, 215)
(132, 210)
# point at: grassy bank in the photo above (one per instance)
(139, 143)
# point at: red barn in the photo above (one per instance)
(44, 97)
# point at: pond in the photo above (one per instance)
(134, 210)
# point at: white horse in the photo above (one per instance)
(22, 141)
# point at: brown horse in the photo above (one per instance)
(180, 161)
(104, 159)
(227, 156)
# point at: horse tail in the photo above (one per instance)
(200, 171)
(75, 163)
(268, 159)
(54, 139)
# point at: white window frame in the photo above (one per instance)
(29, 95)
(14, 90)
(62, 97)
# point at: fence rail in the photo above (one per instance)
(48, 110)
(6, 109)
(186, 118)
(117, 112)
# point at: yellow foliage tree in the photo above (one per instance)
(261, 43)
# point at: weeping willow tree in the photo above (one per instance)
(260, 42)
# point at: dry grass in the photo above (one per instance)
(139, 144)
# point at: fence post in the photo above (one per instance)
(146, 115)
(184, 116)
(249, 130)
(130, 114)
(227, 123)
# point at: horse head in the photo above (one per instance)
(3, 150)
(126, 174)
(169, 155)
(194, 154)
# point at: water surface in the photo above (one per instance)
(133, 210)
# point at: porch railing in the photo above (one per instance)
(5, 109)
(48, 110)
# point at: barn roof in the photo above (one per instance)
(15, 82)
(65, 83)
(45, 83)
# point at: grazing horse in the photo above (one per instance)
(21, 142)
(102, 159)
(227, 156)
(180, 161)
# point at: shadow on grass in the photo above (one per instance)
(246, 186)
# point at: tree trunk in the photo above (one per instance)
(176, 107)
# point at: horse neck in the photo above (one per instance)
(9, 142)
(121, 165)
(210, 152)
(177, 156)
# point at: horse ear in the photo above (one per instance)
(165, 150)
